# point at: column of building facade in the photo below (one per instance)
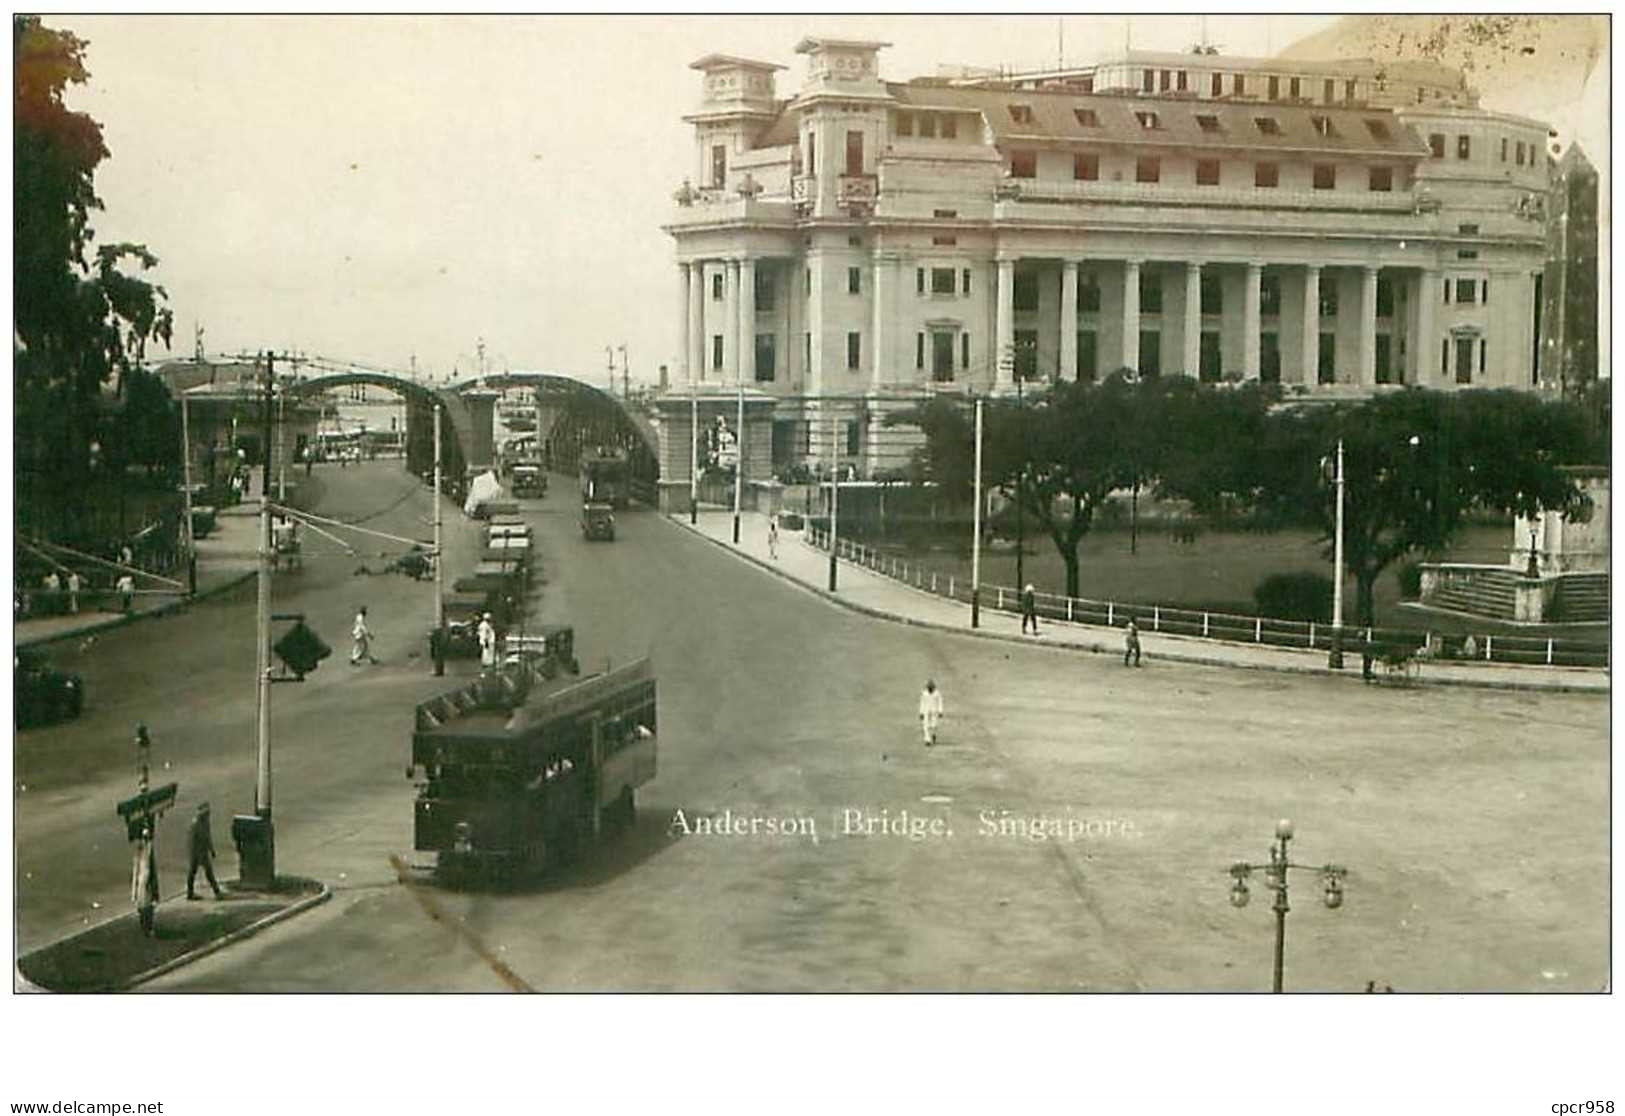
(881, 297)
(696, 320)
(1311, 324)
(746, 369)
(1251, 321)
(1368, 326)
(1192, 340)
(1004, 350)
(1131, 314)
(685, 325)
(1069, 320)
(728, 325)
(1423, 347)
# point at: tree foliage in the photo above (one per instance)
(80, 321)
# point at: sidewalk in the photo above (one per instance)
(115, 955)
(871, 593)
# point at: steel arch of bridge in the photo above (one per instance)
(585, 418)
(456, 435)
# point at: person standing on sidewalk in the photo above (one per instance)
(773, 536)
(930, 711)
(488, 642)
(1029, 608)
(202, 853)
(362, 635)
(1131, 642)
(74, 585)
(126, 592)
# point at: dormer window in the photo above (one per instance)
(1148, 121)
(1209, 123)
(1378, 129)
(1323, 126)
(1087, 117)
(1021, 114)
(1267, 125)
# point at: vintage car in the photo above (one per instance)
(43, 693)
(598, 522)
(528, 479)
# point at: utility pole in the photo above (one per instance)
(186, 481)
(1335, 659)
(265, 456)
(626, 375)
(739, 457)
(834, 490)
(439, 561)
(976, 530)
(693, 453)
(609, 352)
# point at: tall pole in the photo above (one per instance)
(1335, 660)
(1278, 855)
(1021, 485)
(265, 456)
(739, 457)
(834, 491)
(976, 531)
(186, 481)
(693, 454)
(439, 560)
(262, 665)
(281, 452)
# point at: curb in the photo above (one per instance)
(130, 618)
(1102, 648)
(218, 944)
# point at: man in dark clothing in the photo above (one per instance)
(1029, 608)
(202, 853)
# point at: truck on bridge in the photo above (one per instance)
(605, 479)
(523, 767)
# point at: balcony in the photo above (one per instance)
(1157, 194)
(857, 189)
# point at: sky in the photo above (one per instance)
(383, 189)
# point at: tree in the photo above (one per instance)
(1414, 463)
(78, 318)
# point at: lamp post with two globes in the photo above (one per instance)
(1275, 878)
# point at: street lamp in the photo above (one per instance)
(976, 530)
(1335, 659)
(1275, 878)
(693, 454)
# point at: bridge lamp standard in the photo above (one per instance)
(1275, 878)
(739, 457)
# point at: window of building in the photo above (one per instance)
(1444, 357)
(1148, 121)
(919, 280)
(1150, 353)
(1470, 229)
(1483, 352)
(1085, 168)
(806, 289)
(1217, 85)
(1520, 153)
(1466, 291)
(1212, 295)
(1384, 361)
(1267, 125)
(942, 356)
(1021, 114)
(1378, 129)
(806, 351)
(1148, 169)
(919, 350)
(1385, 298)
(852, 435)
(1446, 285)
(1328, 298)
(1181, 82)
(945, 214)
(1325, 176)
(942, 280)
(719, 165)
(1294, 88)
(1023, 164)
(1326, 364)
(1381, 179)
(1209, 357)
(1267, 175)
(1087, 117)
(1088, 295)
(1436, 145)
(1464, 360)
(854, 153)
(1348, 90)
(766, 357)
(716, 351)
(854, 280)
(1484, 292)
(1329, 91)
(964, 281)
(854, 241)
(716, 287)
(1087, 84)
(1323, 126)
(1148, 81)
(1026, 364)
(1275, 88)
(812, 151)
(1466, 253)
(1085, 370)
(1504, 144)
(1269, 295)
(1238, 84)
(950, 128)
(1024, 293)
(854, 351)
(905, 124)
(1208, 123)
(928, 126)
(964, 350)
(944, 241)
(765, 289)
(1269, 358)
(1150, 292)
(1207, 172)
(1165, 80)
(1464, 147)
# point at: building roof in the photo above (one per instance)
(728, 61)
(1054, 117)
(782, 131)
(817, 42)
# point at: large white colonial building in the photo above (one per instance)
(1336, 227)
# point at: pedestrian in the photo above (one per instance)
(202, 853)
(362, 636)
(144, 880)
(53, 591)
(1029, 608)
(1131, 642)
(126, 592)
(930, 711)
(773, 536)
(126, 556)
(488, 642)
(74, 585)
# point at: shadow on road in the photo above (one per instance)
(615, 855)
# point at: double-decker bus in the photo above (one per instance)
(519, 771)
(604, 479)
